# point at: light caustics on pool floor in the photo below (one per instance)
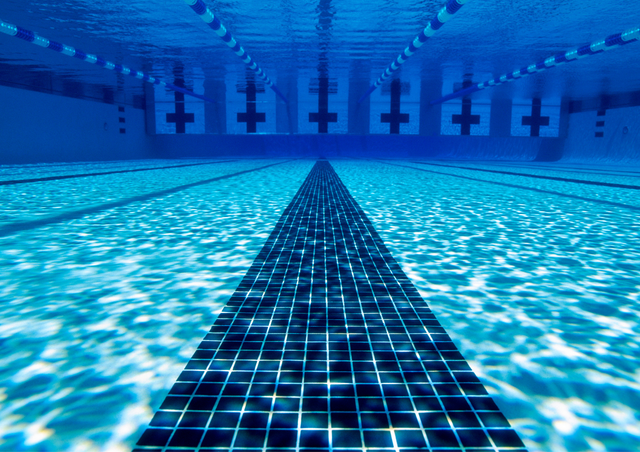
(535, 281)
(101, 311)
(327, 346)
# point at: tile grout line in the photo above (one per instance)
(325, 285)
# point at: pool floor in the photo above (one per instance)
(111, 281)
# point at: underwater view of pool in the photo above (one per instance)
(537, 282)
(109, 283)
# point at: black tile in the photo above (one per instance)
(261, 389)
(224, 420)
(215, 377)
(174, 403)
(186, 437)
(434, 420)
(315, 420)
(154, 437)
(235, 389)
(394, 390)
(165, 419)
(325, 274)
(344, 420)
(288, 390)
(473, 438)
(226, 404)
(315, 390)
(250, 438)
(368, 390)
(483, 404)
(417, 390)
(265, 377)
(455, 403)
(254, 420)
(404, 420)
(371, 404)
(286, 404)
(442, 438)
(346, 438)
(203, 403)
(447, 390)
(377, 438)
(315, 404)
(209, 389)
(285, 420)
(343, 404)
(505, 438)
(314, 439)
(338, 390)
(282, 438)
(399, 404)
(463, 419)
(374, 420)
(258, 404)
(190, 375)
(410, 439)
(194, 419)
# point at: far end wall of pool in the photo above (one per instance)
(41, 127)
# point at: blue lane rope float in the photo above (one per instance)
(34, 38)
(594, 48)
(443, 16)
(214, 23)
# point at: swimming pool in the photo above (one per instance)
(535, 281)
(95, 327)
(221, 235)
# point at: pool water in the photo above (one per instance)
(538, 283)
(101, 312)
(110, 282)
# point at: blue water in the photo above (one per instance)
(108, 283)
(539, 290)
(351, 37)
(101, 312)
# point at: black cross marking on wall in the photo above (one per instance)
(251, 117)
(395, 118)
(465, 119)
(323, 117)
(535, 120)
(180, 118)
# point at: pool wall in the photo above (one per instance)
(358, 146)
(39, 127)
(604, 136)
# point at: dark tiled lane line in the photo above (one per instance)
(522, 187)
(103, 173)
(564, 169)
(535, 176)
(19, 226)
(326, 345)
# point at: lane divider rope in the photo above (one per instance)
(443, 16)
(214, 23)
(34, 38)
(594, 48)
